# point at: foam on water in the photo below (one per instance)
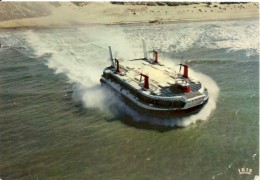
(82, 54)
(231, 35)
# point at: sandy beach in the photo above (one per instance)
(60, 14)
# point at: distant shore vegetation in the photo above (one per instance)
(81, 3)
(167, 3)
(160, 3)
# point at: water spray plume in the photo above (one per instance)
(82, 59)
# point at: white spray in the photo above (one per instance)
(82, 54)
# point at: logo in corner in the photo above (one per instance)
(257, 178)
(247, 171)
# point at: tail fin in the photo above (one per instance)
(111, 56)
(144, 49)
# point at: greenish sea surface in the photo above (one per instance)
(56, 121)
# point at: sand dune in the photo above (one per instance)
(48, 14)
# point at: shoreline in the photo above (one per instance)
(183, 21)
(128, 23)
(70, 15)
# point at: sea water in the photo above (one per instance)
(57, 122)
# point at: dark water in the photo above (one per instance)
(57, 123)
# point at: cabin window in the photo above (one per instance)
(146, 99)
(106, 75)
(178, 104)
(163, 103)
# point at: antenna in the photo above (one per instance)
(144, 49)
(111, 56)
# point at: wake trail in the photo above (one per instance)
(82, 54)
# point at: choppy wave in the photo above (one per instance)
(231, 35)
